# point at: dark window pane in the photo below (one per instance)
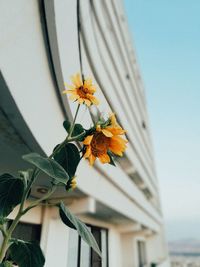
(96, 259)
(81, 255)
(27, 231)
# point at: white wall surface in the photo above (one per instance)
(54, 239)
(24, 64)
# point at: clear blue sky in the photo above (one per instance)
(166, 36)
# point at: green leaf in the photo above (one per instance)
(26, 254)
(67, 125)
(6, 264)
(112, 162)
(11, 191)
(65, 219)
(72, 221)
(48, 166)
(79, 130)
(68, 157)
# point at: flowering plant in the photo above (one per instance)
(102, 140)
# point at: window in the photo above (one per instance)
(81, 255)
(141, 254)
(27, 231)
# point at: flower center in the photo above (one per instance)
(82, 92)
(99, 144)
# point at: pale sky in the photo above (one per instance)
(166, 36)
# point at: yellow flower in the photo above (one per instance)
(103, 140)
(82, 91)
(71, 184)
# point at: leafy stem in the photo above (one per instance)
(3, 230)
(69, 138)
(37, 202)
(7, 234)
(74, 120)
(7, 237)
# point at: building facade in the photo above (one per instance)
(39, 51)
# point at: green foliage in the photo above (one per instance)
(112, 162)
(6, 264)
(67, 125)
(68, 157)
(69, 186)
(64, 217)
(11, 191)
(26, 254)
(79, 131)
(48, 166)
(72, 221)
(110, 154)
(25, 175)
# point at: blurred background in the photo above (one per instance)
(167, 42)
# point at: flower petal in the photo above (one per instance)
(71, 91)
(88, 140)
(73, 186)
(104, 158)
(107, 133)
(79, 79)
(88, 82)
(94, 100)
(73, 97)
(113, 119)
(92, 159)
(116, 130)
(120, 139)
(80, 100)
(87, 102)
(116, 151)
(64, 92)
(76, 80)
(117, 145)
(98, 128)
(91, 89)
(72, 87)
(88, 152)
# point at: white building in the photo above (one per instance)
(38, 52)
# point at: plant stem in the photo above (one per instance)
(58, 148)
(7, 234)
(35, 203)
(73, 123)
(4, 246)
(68, 138)
(74, 138)
(20, 213)
(24, 197)
(2, 229)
